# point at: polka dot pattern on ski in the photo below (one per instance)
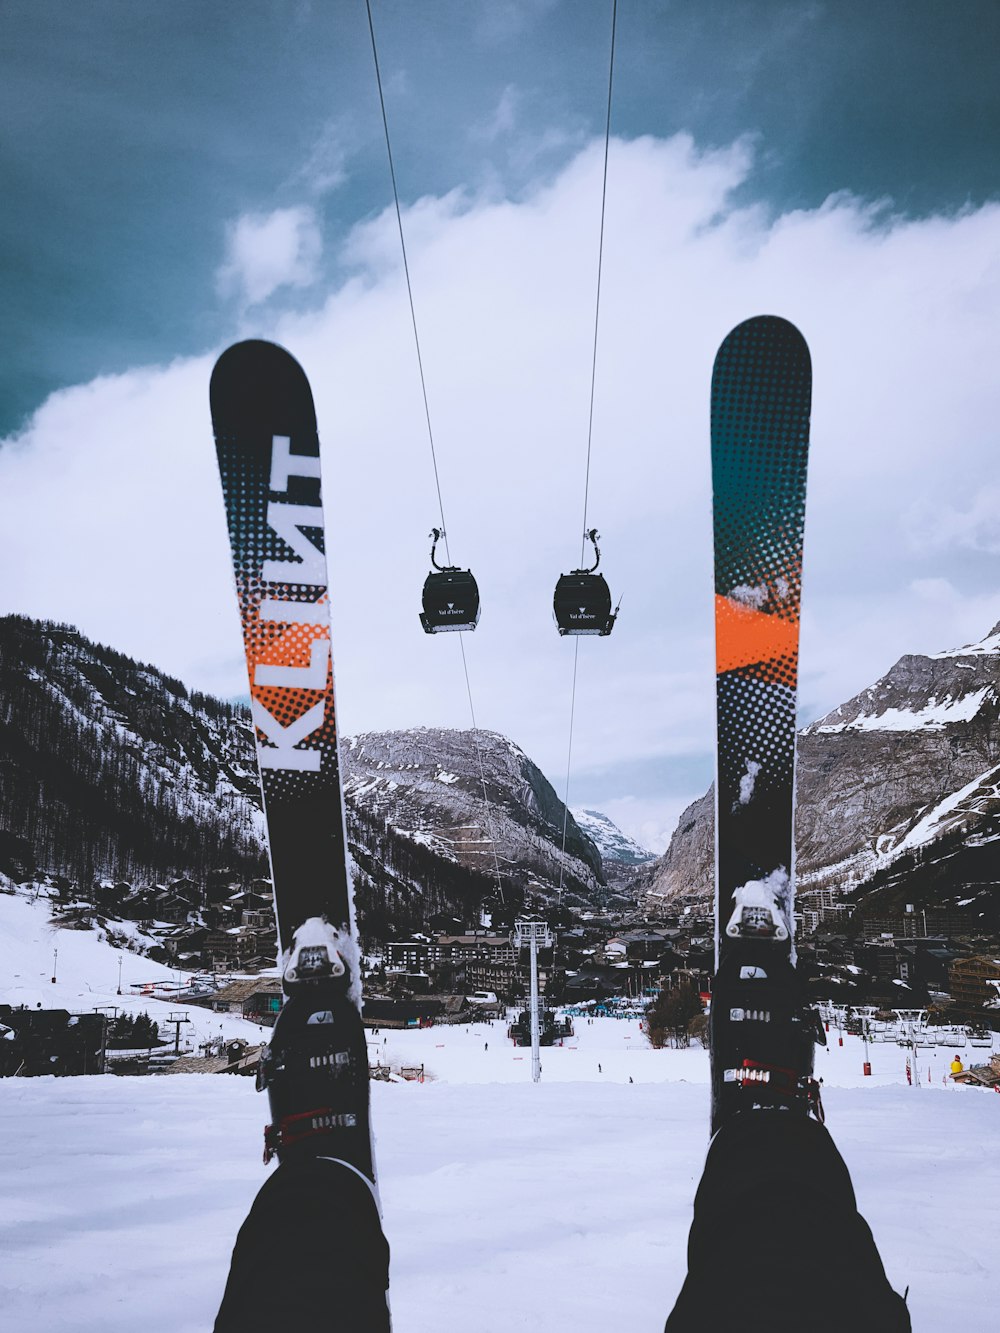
(761, 390)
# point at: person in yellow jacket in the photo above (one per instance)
(956, 1064)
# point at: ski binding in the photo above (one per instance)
(760, 909)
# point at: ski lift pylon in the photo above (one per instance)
(451, 596)
(582, 600)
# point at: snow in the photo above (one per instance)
(748, 781)
(508, 1205)
(87, 974)
(747, 595)
(927, 826)
(985, 648)
(937, 714)
(609, 839)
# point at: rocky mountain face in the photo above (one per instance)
(905, 773)
(475, 798)
(111, 770)
(621, 855)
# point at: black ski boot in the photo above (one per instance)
(315, 1068)
(762, 1035)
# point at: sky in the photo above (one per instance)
(177, 177)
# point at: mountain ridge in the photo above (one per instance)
(111, 770)
(903, 764)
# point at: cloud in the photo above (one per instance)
(502, 21)
(267, 251)
(110, 515)
(503, 120)
(325, 167)
(973, 523)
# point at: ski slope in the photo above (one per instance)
(508, 1205)
(86, 971)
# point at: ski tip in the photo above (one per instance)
(768, 330)
(257, 385)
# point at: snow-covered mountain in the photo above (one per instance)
(906, 774)
(473, 798)
(110, 770)
(620, 853)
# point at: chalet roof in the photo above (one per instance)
(215, 1064)
(242, 990)
(480, 938)
(452, 1004)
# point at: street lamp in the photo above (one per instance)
(533, 934)
(121, 958)
(55, 955)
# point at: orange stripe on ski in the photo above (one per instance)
(745, 636)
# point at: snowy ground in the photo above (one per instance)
(86, 971)
(508, 1205)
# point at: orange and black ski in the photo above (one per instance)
(315, 1067)
(268, 452)
(761, 391)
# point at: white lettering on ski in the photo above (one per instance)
(288, 520)
(312, 677)
(285, 464)
(295, 613)
(282, 752)
(309, 569)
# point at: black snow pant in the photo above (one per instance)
(311, 1255)
(777, 1243)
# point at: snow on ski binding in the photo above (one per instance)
(319, 952)
(315, 1068)
(761, 909)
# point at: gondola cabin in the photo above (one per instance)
(582, 600)
(451, 601)
(582, 604)
(451, 597)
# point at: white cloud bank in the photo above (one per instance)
(267, 251)
(110, 514)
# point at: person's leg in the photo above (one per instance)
(310, 1256)
(777, 1242)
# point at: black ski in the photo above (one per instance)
(315, 1068)
(761, 1035)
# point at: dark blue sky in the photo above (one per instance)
(134, 131)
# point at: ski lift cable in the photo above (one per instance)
(482, 776)
(600, 265)
(590, 424)
(409, 285)
(430, 436)
(569, 762)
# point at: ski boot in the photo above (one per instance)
(315, 1067)
(763, 1034)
